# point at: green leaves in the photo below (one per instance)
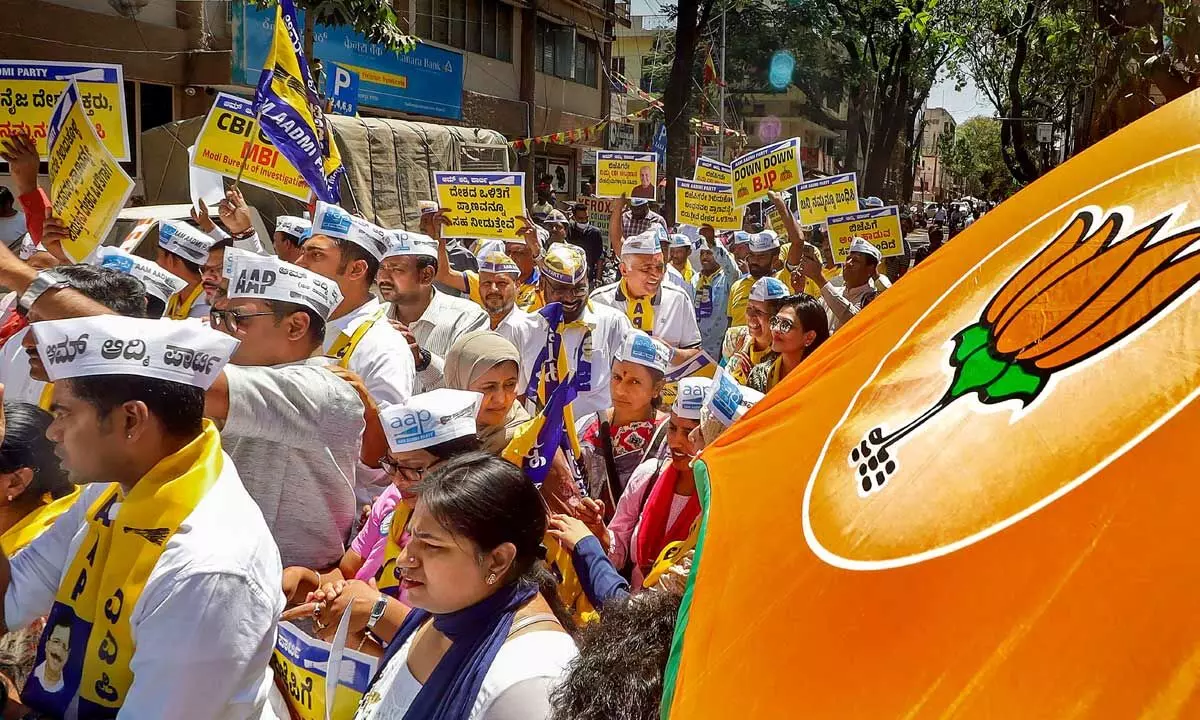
(373, 19)
(979, 369)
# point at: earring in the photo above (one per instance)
(491, 579)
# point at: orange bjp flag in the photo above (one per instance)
(979, 498)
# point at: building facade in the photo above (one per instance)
(932, 182)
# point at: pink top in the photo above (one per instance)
(371, 542)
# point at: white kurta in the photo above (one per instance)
(382, 359)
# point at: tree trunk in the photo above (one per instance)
(889, 113)
(1027, 168)
(692, 16)
(854, 130)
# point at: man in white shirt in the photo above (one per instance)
(290, 232)
(182, 250)
(164, 569)
(348, 249)
(592, 333)
(860, 282)
(659, 309)
(433, 318)
(292, 427)
(498, 290)
(12, 220)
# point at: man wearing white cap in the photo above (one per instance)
(678, 247)
(636, 220)
(497, 289)
(859, 284)
(347, 249)
(293, 428)
(715, 272)
(461, 257)
(523, 252)
(433, 318)
(763, 251)
(658, 308)
(160, 285)
(290, 232)
(161, 583)
(182, 249)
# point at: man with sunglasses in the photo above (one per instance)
(293, 428)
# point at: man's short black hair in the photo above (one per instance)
(353, 251)
(155, 308)
(6, 196)
(222, 244)
(179, 407)
(191, 266)
(121, 293)
(316, 324)
(424, 261)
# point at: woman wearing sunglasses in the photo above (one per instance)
(797, 329)
(430, 429)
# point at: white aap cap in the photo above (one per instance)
(269, 278)
(646, 243)
(640, 348)
(158, 282)
(872, 202)
(405, 243)
(496, 261)
(430, 419)
(768, 288)
(292, 225)
(333, 221)
(679, 240)
(182, 351)
(427, 207)
(764, 241)
(727, 400)
(184, 240)
(860, 245)
(689, 398)
(739, 237)
(231, 254)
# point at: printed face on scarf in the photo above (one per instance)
(643, 273)
(499, 388)
(443, 571)
(212, 275)
(571, 297)
(498, 291)
(400, 280)
(633, 387)
(682, 450)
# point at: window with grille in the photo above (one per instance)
(479, 26)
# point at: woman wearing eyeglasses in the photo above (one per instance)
(445, 427)
(798, 328)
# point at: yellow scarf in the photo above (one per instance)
(109, 572)
(776, 372)
(686, 272)
(178, 308)
(46, 399)
(640, 311)
(388, 579)
(672, 554)
(570, 589)
(345, 345)
(35, 523)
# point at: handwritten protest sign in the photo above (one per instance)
(878, 226)
(699, 203)
(87, 186)
(301, 663)
(820, 198)
(482, 204)
(599, 210)
(711, 171)
(632, 174)
(29, 90)
(772, 167)
(231, 133)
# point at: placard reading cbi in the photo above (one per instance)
(878, 226)
(87, 186)
(481, 205)
(29, 89)
(833, 195)
(230, 133)
(698, 203)
(632, 174)
(711, 171)
(774, 167)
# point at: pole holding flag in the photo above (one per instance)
(289, 109)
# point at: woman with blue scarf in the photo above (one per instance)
(482, 641)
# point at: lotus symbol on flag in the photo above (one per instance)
(1089, 288)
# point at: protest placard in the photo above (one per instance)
(878, 226)
(632, 174)
(29, 90)
(699, 203)
(87, 186)
(599, 210)
(711, 171)
(301, 663)
(481, 204)
(820, 198)
(774, 220)
(773, 167)
(230, 133)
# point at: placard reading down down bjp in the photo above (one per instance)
(774, 167)
(996, 517)
(481, 205)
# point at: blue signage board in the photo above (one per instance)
(341, 87)
(426, 81)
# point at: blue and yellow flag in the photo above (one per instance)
(289, 109)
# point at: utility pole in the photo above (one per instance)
(721, 113)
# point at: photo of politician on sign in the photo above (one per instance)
(629, 174)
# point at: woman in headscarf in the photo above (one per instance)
(485, 362)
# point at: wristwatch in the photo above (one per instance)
(377, 611)
(45, 280)
(426, 358)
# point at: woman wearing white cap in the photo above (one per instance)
(797, 330)
(616, 441)
(750, 344)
